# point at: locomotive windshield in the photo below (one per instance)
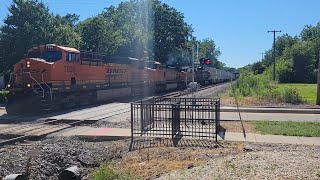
(50, 56)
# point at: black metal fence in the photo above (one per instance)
(176, 118)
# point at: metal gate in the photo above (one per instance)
(176, 118)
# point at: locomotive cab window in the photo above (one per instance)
(73, 57)
(34, 54)
(51, 56)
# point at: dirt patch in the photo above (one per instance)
(244, 101)
(255, 101)
(236, 126)
(151, 163)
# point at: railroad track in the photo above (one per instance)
(185, 92)
(57, 121)
(36, 131)
(39, 130)
(71, 113)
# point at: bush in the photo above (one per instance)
(286, 95)
(252, 85)
(2, 98)
(291, 95)
(262, 87)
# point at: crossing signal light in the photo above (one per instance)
(205, 61)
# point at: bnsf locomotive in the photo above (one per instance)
(53, 76)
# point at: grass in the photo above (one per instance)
(104, 172)
(288, 128)
(2, 99)
(307, 91)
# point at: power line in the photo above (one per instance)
(274, 52)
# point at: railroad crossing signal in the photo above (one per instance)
(205, 61)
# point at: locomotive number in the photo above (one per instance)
(69, 69)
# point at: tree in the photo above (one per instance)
(282, 42)
(310, 32)
(29, 23)
(285, 41)
(151, 29)
(26, 25)
(171, 32)
(302, 59)
(258, 67)
(208, 49)
(99, 35)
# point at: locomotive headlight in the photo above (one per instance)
(28, 62)
(8, 85)
(28, 65)
(28, 85)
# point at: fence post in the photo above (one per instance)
(318, 82)
(217, 118)
(131, 143)
(141, 117)
(175, 119)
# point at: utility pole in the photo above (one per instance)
(274, 52)
(262, 56)
(318, 81)
(197, 51)
(192, 64)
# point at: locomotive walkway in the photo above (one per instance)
(92, 133)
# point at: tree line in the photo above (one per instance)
(144, 29)
(297, 57)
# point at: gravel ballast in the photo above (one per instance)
(49, 157)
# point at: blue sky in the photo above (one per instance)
(239, 27)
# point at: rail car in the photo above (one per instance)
(52, 77)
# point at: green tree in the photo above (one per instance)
(208, 49)
(151, 29)
(282, 42)
(171, 32)
(29, 23)
(258, 67)
(99, 35)
(310, 32)
(302, 59)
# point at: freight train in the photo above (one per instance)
(53, 77)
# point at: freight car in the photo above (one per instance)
(53, 76)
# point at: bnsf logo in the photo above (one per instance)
(116, 71)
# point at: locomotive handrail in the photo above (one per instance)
(36, 82)
(47, 86)
(9, 81)
(11, 74)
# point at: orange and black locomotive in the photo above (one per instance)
(53, 76)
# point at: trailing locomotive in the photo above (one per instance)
(53, 76)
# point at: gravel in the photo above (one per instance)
(231, 160)
(212, 92)
(265, 161)
(49, 157)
